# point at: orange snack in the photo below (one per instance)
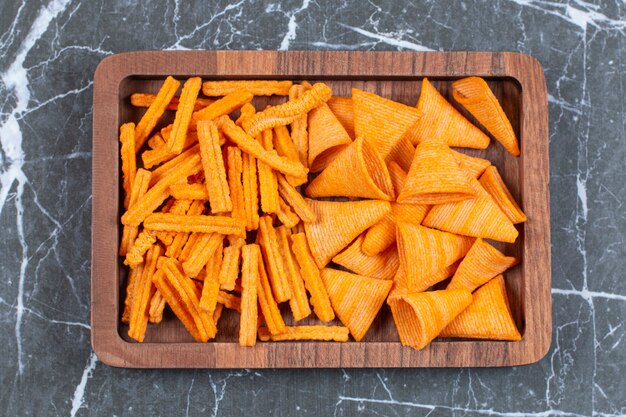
(156, 141)
(425, 251)
(189, 246)
(343, 109)
(471, 164)
(203, 251)
(286, 215)
(268, 185)
(221, 107)
(184, 191)
(402, 154)
(474, 94)
(478, 217)
(280, 115)
(229, 301)
(250, 192)
(298, 302)
(177, 207)
(493, 184)
(186, 291)
(312, 278)
(230, 268)
(139, 188)
(358, 171)
(487, 317)
(213, 165)
(327, 138)
(246, 111)
(155, 111)
(380, 121)
(256, 87)
(180, 239)
(443, 122)
(210, 290)
(235, 171)
(253, 147)
(196, 223)
(157, 305)
(160, 191)
(381, 266)
(481, 263)
(145, 100)
(285, 147)
(299, 133)
(338, 224)
(143, 293)
(174, 164)
(321, 333)
(355, 298)
(251, 256)
(275, 262)
(131, 281)
(383, 234)
(268, 304)
(144, 241)
(176, 141)
(435, 177)
(295, 200)
(129, 161)
(421, 316)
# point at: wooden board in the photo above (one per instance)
(517, 81)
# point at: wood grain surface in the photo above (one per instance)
(518, 82)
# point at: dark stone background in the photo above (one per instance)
(49, 50)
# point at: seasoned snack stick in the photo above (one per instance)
(268, 186)
(188, 96)
(274, 261)
(295, 200)
(140, 186)
(199, 223)
(251, 256)
(322, 333)
(131, 282)
(221, 107)
(251, 146)
(299, 133)
(256, 87)
(269, 307)
(299, 302)
(145, 100)
(129, 162)
(143, 289)
(155, 111)
(213, 165)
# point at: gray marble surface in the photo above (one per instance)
(49, 50)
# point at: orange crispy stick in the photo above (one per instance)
(156, 141)
(355, 298)
(488, 317)
(249, 280)
(214, 171)
(381, 266)
(196, 223)
(143, 293)
(284, 113)
(474, 166)
(145, 100)
(140, 186)
(250, 192)
(160, 191)
(286, 215)
(275, 262)
(343, 109)
(492, 182)
(187, 292)
(157, 305)
(285, 147)
(253, 147)
(478, 217)
(481, 263)
(188, 248)
(155, 111)
(177, 207)
(421, 316)
(189, 192)
(178, 243)
(235, 169)
(299, 302)
(131, 281)
(161, 153)
(202, 253)
(229, 301)
(299, 128)
(221, 107)
(134, 256)
(295, 200)
(312, 278)
(321, 333)
(256, 87)
(173, 164)
(268, 186)
(174, 300)
(129, 161)
(474, 94)
(246, 111)
(191, 88)
(230, 268)
(268, 304)
(210, 290)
